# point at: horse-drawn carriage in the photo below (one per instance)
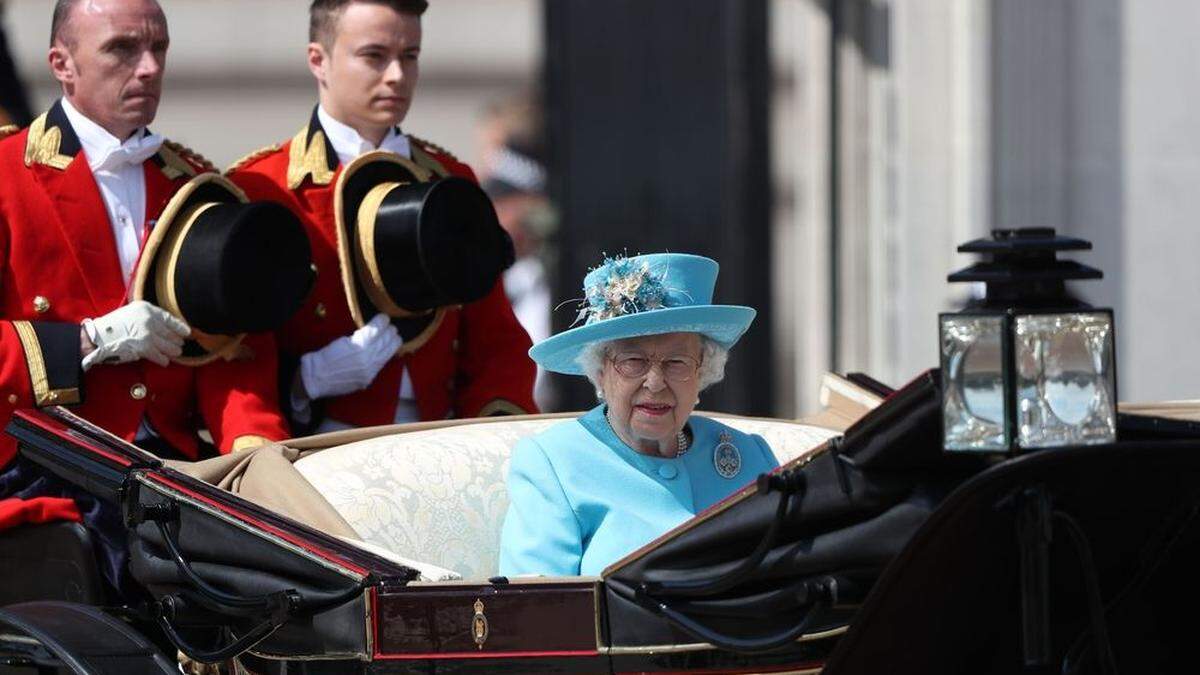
(1003, 514)
(375, 550)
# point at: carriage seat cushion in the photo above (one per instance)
(439, 495)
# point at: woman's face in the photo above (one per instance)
(647, 411)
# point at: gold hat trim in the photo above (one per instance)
(164, 281)
(424, 336)
(366, 262)
(217, 346)
(347, 248)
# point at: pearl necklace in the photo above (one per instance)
(683, 442)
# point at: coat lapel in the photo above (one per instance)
(311, 156)
(159, 190)
(81, 216)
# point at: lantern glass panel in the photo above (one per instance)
(1066, 379)
(974, 407)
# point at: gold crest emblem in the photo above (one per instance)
(479, 625)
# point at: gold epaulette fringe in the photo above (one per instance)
(257, 154)
(8, 130)
(432, 147)
(190, 155)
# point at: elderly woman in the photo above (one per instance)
(587, 492)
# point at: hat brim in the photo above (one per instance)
(204, 186)
(353, 185)
(724, 324)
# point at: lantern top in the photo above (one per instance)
(1024, 268)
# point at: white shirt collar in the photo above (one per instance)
(348, 144)
(97, 143)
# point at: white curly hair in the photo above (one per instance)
(712, 363)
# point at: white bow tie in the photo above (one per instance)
(129, 153)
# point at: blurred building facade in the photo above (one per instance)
(237, 78)
(898, 129)
(903, 128)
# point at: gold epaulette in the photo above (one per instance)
(190, 155)
(432, 147)
(8, 130)
(256, 155)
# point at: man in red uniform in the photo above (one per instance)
(82, 185)
(364, 55)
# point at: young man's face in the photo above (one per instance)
(368, 72)
(110, 60)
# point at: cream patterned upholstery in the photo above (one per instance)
(439, 495)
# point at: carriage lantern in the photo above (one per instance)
(1028, 366)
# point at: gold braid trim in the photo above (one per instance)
(253, 156)
(181, 160)
(8, 130)
(42, 146)
(43, 395)
(431, 147)
(308, 159)
(191, 155)
(423, 154)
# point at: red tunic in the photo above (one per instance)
(475, 364)
(58, 266)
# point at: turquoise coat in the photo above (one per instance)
(580, 499)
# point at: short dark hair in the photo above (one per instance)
(62, 13)
(324, 14)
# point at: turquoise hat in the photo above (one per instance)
(645, 295)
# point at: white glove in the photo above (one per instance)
(135, 331)
(350, 363)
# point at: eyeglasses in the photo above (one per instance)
(675, 369)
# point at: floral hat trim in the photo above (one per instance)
(645, 295)
(620, 286)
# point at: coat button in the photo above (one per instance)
(138, 391)
(12, 399)
(320, 311)
(41, 305)
(455, 345)
(52, 397)
(315, 272)
(667, 471)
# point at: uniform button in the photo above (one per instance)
(138, 391)
(52, 396)
(12, 399)
(315, 271)
(455, 345)
(320, 311)
(41, 305)
(667, 471)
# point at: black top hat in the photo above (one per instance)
(409, 246)
(225, 266)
